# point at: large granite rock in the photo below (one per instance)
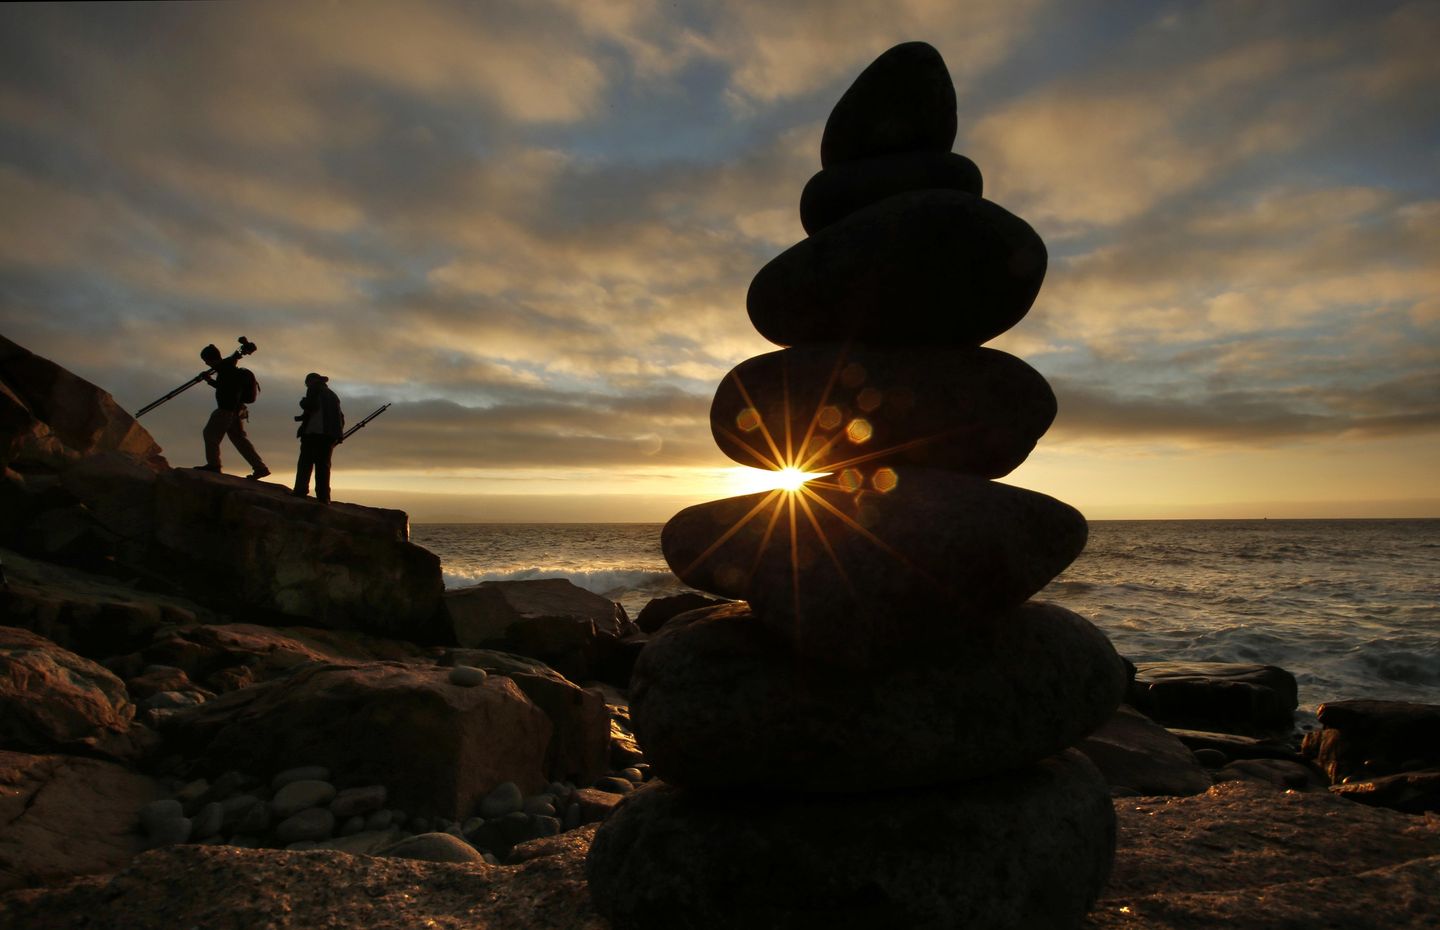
(49, 417)
(62, 816)
(1236, 696)
(847, 576)
(438, 747)
(720, 701)
(256, 547)
(903, 101)
(580, 739)
(51, 698)
(575, 632)
(835, 193)
(1360, 740)
(932, 267)
(1138, 756)
(1030, 849)
(826, 408)
(661, 610)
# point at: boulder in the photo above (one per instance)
(834, 193)
(1360, 740)
(1029, 849)
(719, 701)
(1282, 773)
(1233, 696)
(1139, 756)
(847, 575)
(829, 408)
(432, 847)
(437, 747)
(903, 101)
(66, 816)
(1415, 792)
(50, 417)
(1235, 746)
(255, 547)
(50, 698)
(575, 632)
(580, 725)
(662, 610)
(931, 267)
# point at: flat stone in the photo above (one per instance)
(299, 773)
(313, 823)
(1235, 696)
(298, 795)
(719, 701)
(930, 267)
(903, 101)
(876, 571)
(658, 611)
(1142, 757)
(432, 847)
(467, 676)
(849, 410)
(1028, 850)
(836, 192)
(362, 800)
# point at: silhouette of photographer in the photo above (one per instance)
(234, 388)
(321, 426)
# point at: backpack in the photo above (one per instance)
(249, 386)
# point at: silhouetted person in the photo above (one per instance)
(231, 387)
(321, 426)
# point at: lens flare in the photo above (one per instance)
(745, 480)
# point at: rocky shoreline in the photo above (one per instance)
(172, 754)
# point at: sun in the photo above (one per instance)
(746, 480)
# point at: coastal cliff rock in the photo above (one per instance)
(50, 698)
(1236, 697)
(439, 747)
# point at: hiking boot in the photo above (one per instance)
(299, 493)
(257, 474)
(210, 468)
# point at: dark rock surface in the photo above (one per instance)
(662, 610)
(1413, 792)
(1028, 849)
(1237, 697)
(877, 571)
(834, 193)
(575, 632)
(1360, 740)
(438, 747)
(969, 410)
(62, 816)
(51, 698)
(719, 700)
(903, 101)
(930, 267)
(1138, 756)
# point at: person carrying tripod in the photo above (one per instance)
(234, 388)
(322, 425)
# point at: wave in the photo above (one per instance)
(608, 582)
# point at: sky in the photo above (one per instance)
(530, 226)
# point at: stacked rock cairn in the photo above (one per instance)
(875, 733)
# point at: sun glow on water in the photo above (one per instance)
(745, 480)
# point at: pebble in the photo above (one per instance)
(540, 804)
(433, 847)
(614, 784)
(633, 774)
(169, 832)
(571, 819)
(207, 821)
(561, 789)
(228, 784)
(156, 813)
(1211, 758)
(354, 801)
(505, 799)
(296, 796)
(546, 826)
(315, 823)
(419, 824)
(516, 827)
(380, 820)
(352, 826)
(171, 700)
(467, 676)
(301, 773)
(256, 818)
(190, 795)
(235, 807)
(470, 826)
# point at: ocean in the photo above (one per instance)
(1351, 607)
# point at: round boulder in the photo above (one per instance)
(719, 700)
(835, 193)
(1028, 850)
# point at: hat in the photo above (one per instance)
(208, 351)
(313, 377)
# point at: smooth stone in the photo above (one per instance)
(432, 847)
(1210, 758)
(876, 572)
(504, 799)
(192, 792)
(420, 824)
(467, 676)
(471, 825)
(540, 804)
(1280, 773)
(659, 611)
(315, 823)
(615, 784)
(1026, 850)
(256, 819)
(1238, 696)
(719, 701)
(632, 774)
(1361, 740)
(1138, 756)
(546, 825)
(299, 773)
(904, 100)
(380, 820)
(971, 410)
(362, 800)
(170, 832)
(157, 813)
(516, 827)
(296, 796)
(930, 267)
(207, 821)
(835, 193)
